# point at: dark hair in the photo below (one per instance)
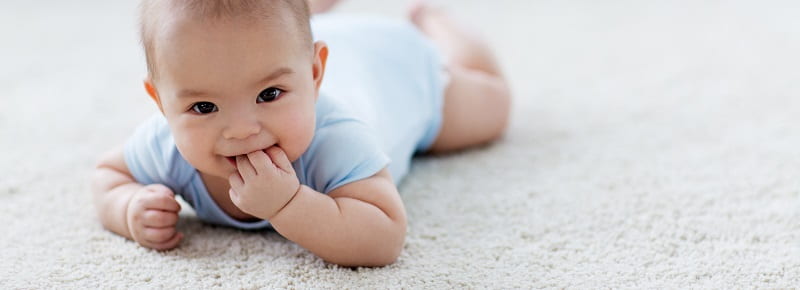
(153, 12)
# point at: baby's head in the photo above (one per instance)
(233, 76)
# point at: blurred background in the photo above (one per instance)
(79, 63)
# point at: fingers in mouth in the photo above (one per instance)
(232, 160)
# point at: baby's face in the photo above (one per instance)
(233, 88)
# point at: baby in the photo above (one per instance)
(251, 137)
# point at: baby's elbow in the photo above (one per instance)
(383, 261)
(376, 253)
(370, 258)
(386, 256)
(387, 252)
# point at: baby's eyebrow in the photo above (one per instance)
(189, 93)
(275, 74)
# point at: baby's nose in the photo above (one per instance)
(241, 126)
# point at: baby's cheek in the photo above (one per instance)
(302, 133)
(195, 152)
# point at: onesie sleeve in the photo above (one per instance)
(151, 156)
(342, 151)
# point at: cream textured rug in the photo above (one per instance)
(654, 144)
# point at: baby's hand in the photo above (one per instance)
(152, 215)
(265, 182)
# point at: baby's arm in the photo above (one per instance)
(359, 224)
(145, 214)
(362, 223)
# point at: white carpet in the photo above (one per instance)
(654, 144)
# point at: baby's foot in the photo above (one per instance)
(417, 10)
(321, 6)
(420, 11)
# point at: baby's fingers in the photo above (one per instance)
(169, 244)
(158, 235)
(244, 167)
(161, 201)
(260, 162)
(159, 218)
(278, 156)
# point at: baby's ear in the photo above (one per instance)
(151, 90)
(320, 58)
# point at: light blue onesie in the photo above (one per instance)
(380, 102)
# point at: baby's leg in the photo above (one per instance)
(477, 99)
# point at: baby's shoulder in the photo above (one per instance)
(344, 148)
(153, 157)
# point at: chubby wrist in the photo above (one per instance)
(266, 210)
(302, 190)
(286, 204)
(123, 205)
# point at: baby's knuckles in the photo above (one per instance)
(138, 213)
(159, 218)
(158, 188)
(280, 158)
(159, 235)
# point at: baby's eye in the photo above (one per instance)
(269, 95)
(204, 108)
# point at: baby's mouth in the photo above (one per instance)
(232, 160)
